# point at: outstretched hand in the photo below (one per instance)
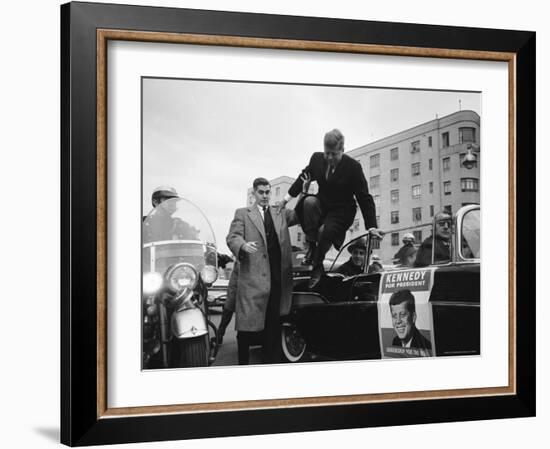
(250, 247)
(279, 206)
(306, 181)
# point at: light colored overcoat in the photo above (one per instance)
(254, 277)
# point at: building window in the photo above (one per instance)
(466, 135)
(446, 163)
(394, 174)
(445, 139)
(431, 211)
(394, 194)
(416, 191)
(447, 187)
(415, 146)
(431, 186)
(374, 182)
(394, 154)
(394, 217)
(299, 237)
(430, 141)
(375, 244)
(417, 236)
(395, 239)
(415, 169)
(376, 199)
(417, 214)
(462, 156)
(448, 209)
(430, 164)
(375, 161)
(469, 185)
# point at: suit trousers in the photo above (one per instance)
(271, 348)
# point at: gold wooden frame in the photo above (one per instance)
(105, 35)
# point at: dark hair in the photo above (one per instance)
(334, 139)
(403, 296)
(260, 182)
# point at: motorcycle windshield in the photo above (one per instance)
(177, 231)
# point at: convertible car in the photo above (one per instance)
(402, 311)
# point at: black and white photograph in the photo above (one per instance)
(297, 223)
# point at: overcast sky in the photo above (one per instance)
(210, 139)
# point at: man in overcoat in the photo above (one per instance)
(327, 216)
(259, 238)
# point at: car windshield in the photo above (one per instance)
(470, 235)
(398, 249)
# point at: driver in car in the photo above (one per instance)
(441, 243)
(159, 225)
(356, 262)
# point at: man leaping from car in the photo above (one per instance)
(327, 216)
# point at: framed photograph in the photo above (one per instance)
(284, 224)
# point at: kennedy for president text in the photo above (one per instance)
(411, 280)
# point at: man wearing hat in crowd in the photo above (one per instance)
(356, 262)
(375, 265)
(327, 216)
(404, 252)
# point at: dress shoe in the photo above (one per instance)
(316, 275)
(308, 259)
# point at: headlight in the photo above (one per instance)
(181, 276)
(209, 274)
(152, 282)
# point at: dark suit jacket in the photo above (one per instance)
(418, 341)
(442, 252)
(343, 187)
(349, 269)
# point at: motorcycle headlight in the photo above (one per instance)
(209, 274)
(182, 276)
(152, 282)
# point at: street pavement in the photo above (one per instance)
(227, 354)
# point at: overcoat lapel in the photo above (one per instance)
(256, 218)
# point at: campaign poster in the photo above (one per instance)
(405, 314)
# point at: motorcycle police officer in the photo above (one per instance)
(160, 225)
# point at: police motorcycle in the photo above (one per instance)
(179, 264)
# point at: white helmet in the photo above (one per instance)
(408, 236)
(165, 192)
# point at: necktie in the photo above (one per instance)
(268, 221)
